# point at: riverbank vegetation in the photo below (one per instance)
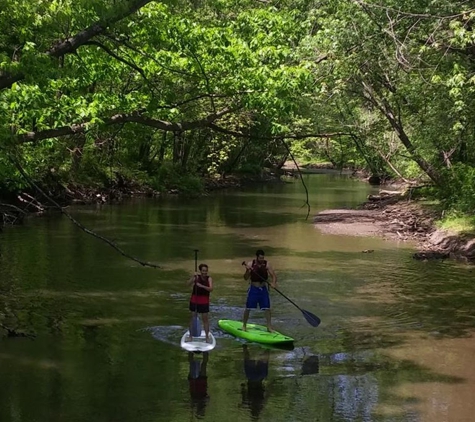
(148, 96)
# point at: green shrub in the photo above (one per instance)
(172, 176)
(249, 169)
(458, 193)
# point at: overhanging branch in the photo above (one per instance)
(19, 167)
(126, 118)
(237, 134)
(71, 44)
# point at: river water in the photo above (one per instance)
(395, 344)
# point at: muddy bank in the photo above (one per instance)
(15, 206)
(392, 217)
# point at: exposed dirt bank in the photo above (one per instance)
(391, 217)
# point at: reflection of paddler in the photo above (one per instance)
(311, 365)
(256, 370)
(198, 382)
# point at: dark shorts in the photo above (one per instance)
(256, 370)
(257, 296)
(201, 309)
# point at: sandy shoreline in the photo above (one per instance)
(399, 219)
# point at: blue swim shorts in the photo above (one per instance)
(257, 296)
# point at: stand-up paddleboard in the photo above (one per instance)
(199, 343)
(254, 332)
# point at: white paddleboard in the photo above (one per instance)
(198, 344)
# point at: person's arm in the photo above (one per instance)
(191, 280)
(247, 274)
(209, 288)
(271, 271)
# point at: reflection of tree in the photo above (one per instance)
(198, 381)
(11, 325)
(254, 392)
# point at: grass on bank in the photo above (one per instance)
(452, 221)
(457, 223)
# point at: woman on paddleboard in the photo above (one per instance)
(258, 271)
(199, 301)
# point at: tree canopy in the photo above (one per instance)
(161, 91)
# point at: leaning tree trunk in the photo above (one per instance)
(395, 121)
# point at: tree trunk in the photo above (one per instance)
(383, 105)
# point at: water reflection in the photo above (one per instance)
(253, 392)
(198, 383)
(396, 344)
(311, 365)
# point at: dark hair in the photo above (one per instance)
(203, 265)
(260, 252)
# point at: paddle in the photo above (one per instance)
(195, 326)
(312, 319)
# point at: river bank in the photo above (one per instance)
(395, 217)
(15, 206)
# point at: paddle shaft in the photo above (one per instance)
(196, 326)
(196, 269)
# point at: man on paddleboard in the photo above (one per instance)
(199, 301)
(258, 271)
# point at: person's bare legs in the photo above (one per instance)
(205, 319)
(268, 320)
(245, 317)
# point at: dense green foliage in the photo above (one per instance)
(164, 93)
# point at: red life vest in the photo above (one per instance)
(199, 295)
(259, 271)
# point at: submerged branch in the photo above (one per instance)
(77, 223)
(301, 177)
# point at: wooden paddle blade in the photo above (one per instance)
(312, 319)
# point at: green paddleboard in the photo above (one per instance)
(254, 332)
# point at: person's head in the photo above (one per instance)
(203, 269)
(260, 255)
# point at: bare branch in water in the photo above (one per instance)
(301, 177)
(77, 223)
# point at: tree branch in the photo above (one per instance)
(279, 137)
(71, 44)
(301, 177)
(126, 118)
(17, 164)
(205, 76)
(120, 59)
(282, 139)
(7, 79)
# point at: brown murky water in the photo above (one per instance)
(396, 342)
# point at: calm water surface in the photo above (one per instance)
(396, 342)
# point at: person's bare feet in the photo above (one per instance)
(244, 328)
(208, 340)
(188, 339)
(270, 329)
